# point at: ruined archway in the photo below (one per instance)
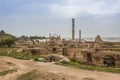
(34, 52)
(64, 52)
(54, 50)
(89, 58)
(109, 61)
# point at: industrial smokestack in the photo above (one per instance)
(73, 28)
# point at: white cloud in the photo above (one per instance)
(68, 10)
(72, 8)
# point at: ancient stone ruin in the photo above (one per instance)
(98, 39)
(97, 52)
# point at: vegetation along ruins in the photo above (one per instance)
(55, 58)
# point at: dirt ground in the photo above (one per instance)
(30, 70)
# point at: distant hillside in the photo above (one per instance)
(6, 40)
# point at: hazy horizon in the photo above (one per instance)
(41, 17)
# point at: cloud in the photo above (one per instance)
(45, 16)
(72, 8)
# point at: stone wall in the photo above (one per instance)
(36, 51)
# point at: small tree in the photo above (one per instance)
(6, 40)
(2, 31)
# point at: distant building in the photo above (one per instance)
(41, 40)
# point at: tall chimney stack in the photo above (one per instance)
(79, 35)
(73, 28)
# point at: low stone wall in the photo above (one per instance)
(99, 58)
(36, 51)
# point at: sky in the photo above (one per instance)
(41, 17)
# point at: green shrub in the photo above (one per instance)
(36, 59)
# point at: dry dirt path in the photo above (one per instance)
(60, 72)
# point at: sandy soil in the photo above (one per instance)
(48, 71)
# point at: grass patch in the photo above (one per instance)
(3, 49)
(63, 78)
(16, 55)
(8, 71)
(9, 63)
(89, 67)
